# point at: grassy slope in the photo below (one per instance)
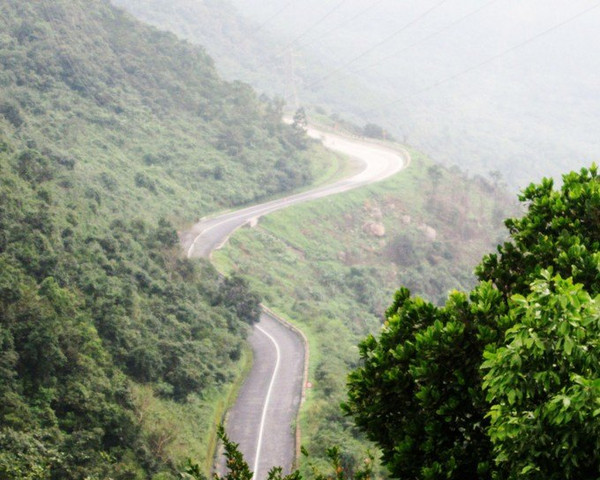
(321, 266)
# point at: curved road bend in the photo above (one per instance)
(262, 419)
(378, 163)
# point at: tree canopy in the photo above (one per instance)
(502, 382)
(112, 135)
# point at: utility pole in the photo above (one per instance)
(291, 79)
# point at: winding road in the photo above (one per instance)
(262, 420)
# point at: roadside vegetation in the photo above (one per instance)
(118, 355)
(499, 383)
(503, 382)
(331, 266)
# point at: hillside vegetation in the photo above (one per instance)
(117, 353)
(501, 382)
(332, 265)
(88, 82)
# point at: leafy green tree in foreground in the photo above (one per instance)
(421, 393)
(544, 384)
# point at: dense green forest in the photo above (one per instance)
(117, 354)
(116, 351)
(87, 308)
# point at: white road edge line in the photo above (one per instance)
(266, 405)
(193, 245)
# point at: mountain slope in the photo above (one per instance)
(117, 353)
(91, 81)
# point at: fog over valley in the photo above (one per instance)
(427, 71)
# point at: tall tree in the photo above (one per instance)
(420, 393)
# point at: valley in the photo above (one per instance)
(271, 397)
(354, 290)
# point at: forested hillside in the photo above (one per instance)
(87, 82)
(116, 351)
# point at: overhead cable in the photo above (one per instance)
(378, 44)
(274, 16)
(345, 22)
(424, 39)
(489, 59)
(312, 27)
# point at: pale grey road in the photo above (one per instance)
(256, 423)
(378, 163)
(263, 417)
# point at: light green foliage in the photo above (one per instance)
(543, 385)
(561, 230)
(84, 81)
(238, 469)
(112, 134)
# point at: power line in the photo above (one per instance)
(314, 25)
(274, 16)
(378, 44)
(428, 37)
(345, 22)
(488, 60)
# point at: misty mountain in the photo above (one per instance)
(423, 70)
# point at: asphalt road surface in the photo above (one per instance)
(378, 163)
(262, 419)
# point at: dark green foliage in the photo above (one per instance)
(237, 467)
(299, 125)
(410, 396)
(300, 120)
(234, 293)
(81, 305)
(372, 130)
(420, 393)
(110, 136)
(11, 112)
